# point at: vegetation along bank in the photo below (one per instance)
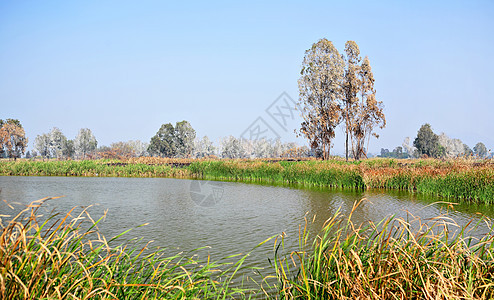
(460, 179)
(66, 256)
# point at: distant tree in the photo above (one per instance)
(204, 148)
(409, 150)
(277, 148)
(262, 148)
(320, 90)
(57, 142)
(467, 150)
(163, 142)
(122, 149)
(427, 142)
(85, 143)
(184, 139)
(396, 153)
(139, 148)
(68, 149)
(172, 141)
(452, 147)
(13, 140)
(42, 144)
(292, 150)
(232, 148)
(28, 154)
(480, 150)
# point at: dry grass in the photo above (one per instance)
(66, 257)
(394, 259)
(460, 179)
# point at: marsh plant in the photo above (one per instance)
(392, 259)
(67, 257)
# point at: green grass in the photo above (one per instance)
(66, 257)
(103, 168)
(394, 259)
(455, 180)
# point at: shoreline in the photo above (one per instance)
(460, 180)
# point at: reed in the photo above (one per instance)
(393, 259)
(308, 173)
(465, 180)
(65, 257)
(91, 168)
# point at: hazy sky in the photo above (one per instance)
(123, 68)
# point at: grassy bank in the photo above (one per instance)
(59, 259)
(460, 179)
(91, 168)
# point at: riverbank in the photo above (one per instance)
(66, 256)
(456, 180)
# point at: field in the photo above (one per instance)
(465, 180)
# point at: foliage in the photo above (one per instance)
(319, 94)
(58, 143)
(480, 150)
(204, 148)
(42, 144)
(184, 139)
(231, 147)
(172, 141)
(85, 143)
(13, 140)
(458, 179)
(396, 153)
(102, 168)
(368, 112)
(67, 257)
(453, 147)
(427, 142)
(394, 258)
(333, 88)
(123, 150)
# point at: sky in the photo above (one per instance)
(123, 68)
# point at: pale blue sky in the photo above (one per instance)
(123, 68)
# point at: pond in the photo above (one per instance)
(228, 217)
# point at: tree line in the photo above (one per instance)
(180, 141)
(429, 144)
(177, 141)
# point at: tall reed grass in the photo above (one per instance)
(104, 168)
(62, 257)
(457, 179)
(66, 257)
(393, 259)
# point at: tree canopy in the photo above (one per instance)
(427, 142)
(480, 150)
(172, 141)
(13, 140)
